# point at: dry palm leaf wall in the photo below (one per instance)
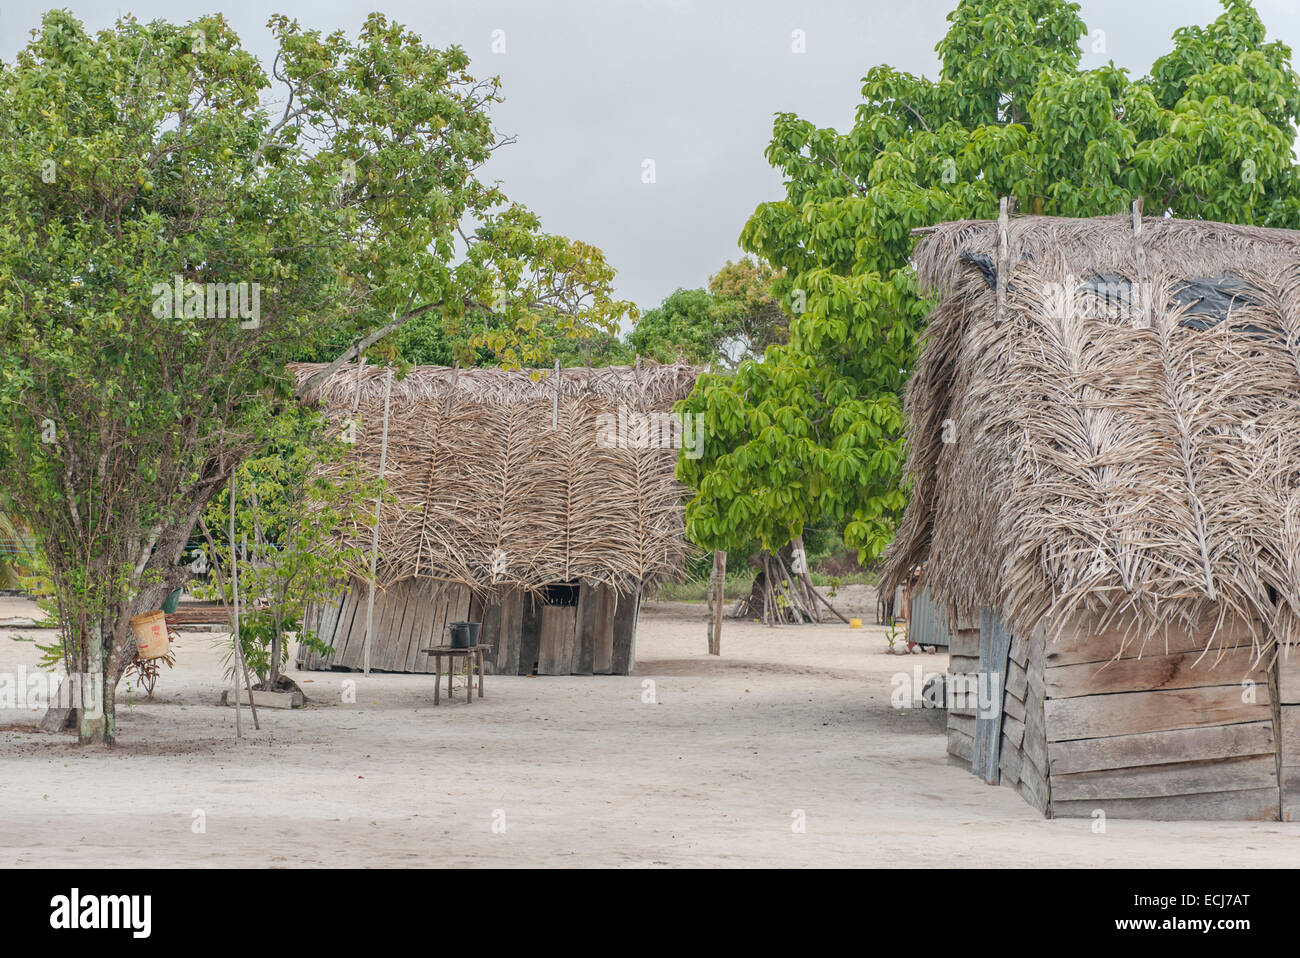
(495, 486)
(1122, 438)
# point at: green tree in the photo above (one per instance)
(296, 534)
(147, 157)
(735, 319)
(690, 325)
(762, 321)
(813, 434)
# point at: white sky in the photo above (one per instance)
(595, 87)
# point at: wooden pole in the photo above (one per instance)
(234, 579)
(221, 583)
(719, 585)
(243, 663)
(555, 400)
(1004, 258)
(374, 538)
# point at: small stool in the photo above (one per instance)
(472, 656)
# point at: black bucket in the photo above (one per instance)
(464, 635)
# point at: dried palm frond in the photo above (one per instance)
(502, 479)
(1139, 464)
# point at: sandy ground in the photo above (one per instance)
(691, 761)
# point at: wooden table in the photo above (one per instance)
(472, 655)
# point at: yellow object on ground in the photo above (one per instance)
(855, 623)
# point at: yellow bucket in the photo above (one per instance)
(150, 630)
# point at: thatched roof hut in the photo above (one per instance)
(1105, 463)
(514, 484)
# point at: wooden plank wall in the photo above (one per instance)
(1032, 779)
(963, 660)
(995, 647)
(408, 618)
(1158, 734)
(1288, 726)
(597, 636)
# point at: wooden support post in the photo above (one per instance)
(555, 400)
(1004, 258)
(1140, 290)
(719, 600)
(234, 579)
(374, 538)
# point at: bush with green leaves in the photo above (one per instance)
(297, 533)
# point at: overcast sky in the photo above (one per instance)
(594, 88)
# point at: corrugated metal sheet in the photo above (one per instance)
(926, 626)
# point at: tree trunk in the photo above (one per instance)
(277, 643)
(778, 595)
(91, 724)
(106, 649)
(717, 594)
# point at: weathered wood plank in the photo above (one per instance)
(1288, 676)
(1034, 742)
(555, 645)
(603, 637)
(414, 641)
(1290, 734)
(1178, 671)
(347, 616)
(388, 606)
(490, 610)
(436, 627)
(1013, 730)
(1019, 651)
(512, 617)
(995, 645)
(1013, 707)
(1158, 748)
(625, 617)
(401, 651)
(585, 637)
(394, 653)
(1033, 787)
(1250, 805)
(1094, 716)
(530, 633)
(1016, 682)
(1181, 778)
(1082, 642)
(326, 625)
(961, 745)
(963, 664)
(965, 642)
(961, 723)
(1009, 762)
(967, 620)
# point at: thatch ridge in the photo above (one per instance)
(1113, 462)
(498, 486)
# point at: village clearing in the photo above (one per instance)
(718, 767)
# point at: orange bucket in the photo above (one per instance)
(150, 630)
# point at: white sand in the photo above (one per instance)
(581, 770)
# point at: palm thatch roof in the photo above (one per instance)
(1121, 438)
(491, 490)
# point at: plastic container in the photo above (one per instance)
(150, 630)
(464, 635)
